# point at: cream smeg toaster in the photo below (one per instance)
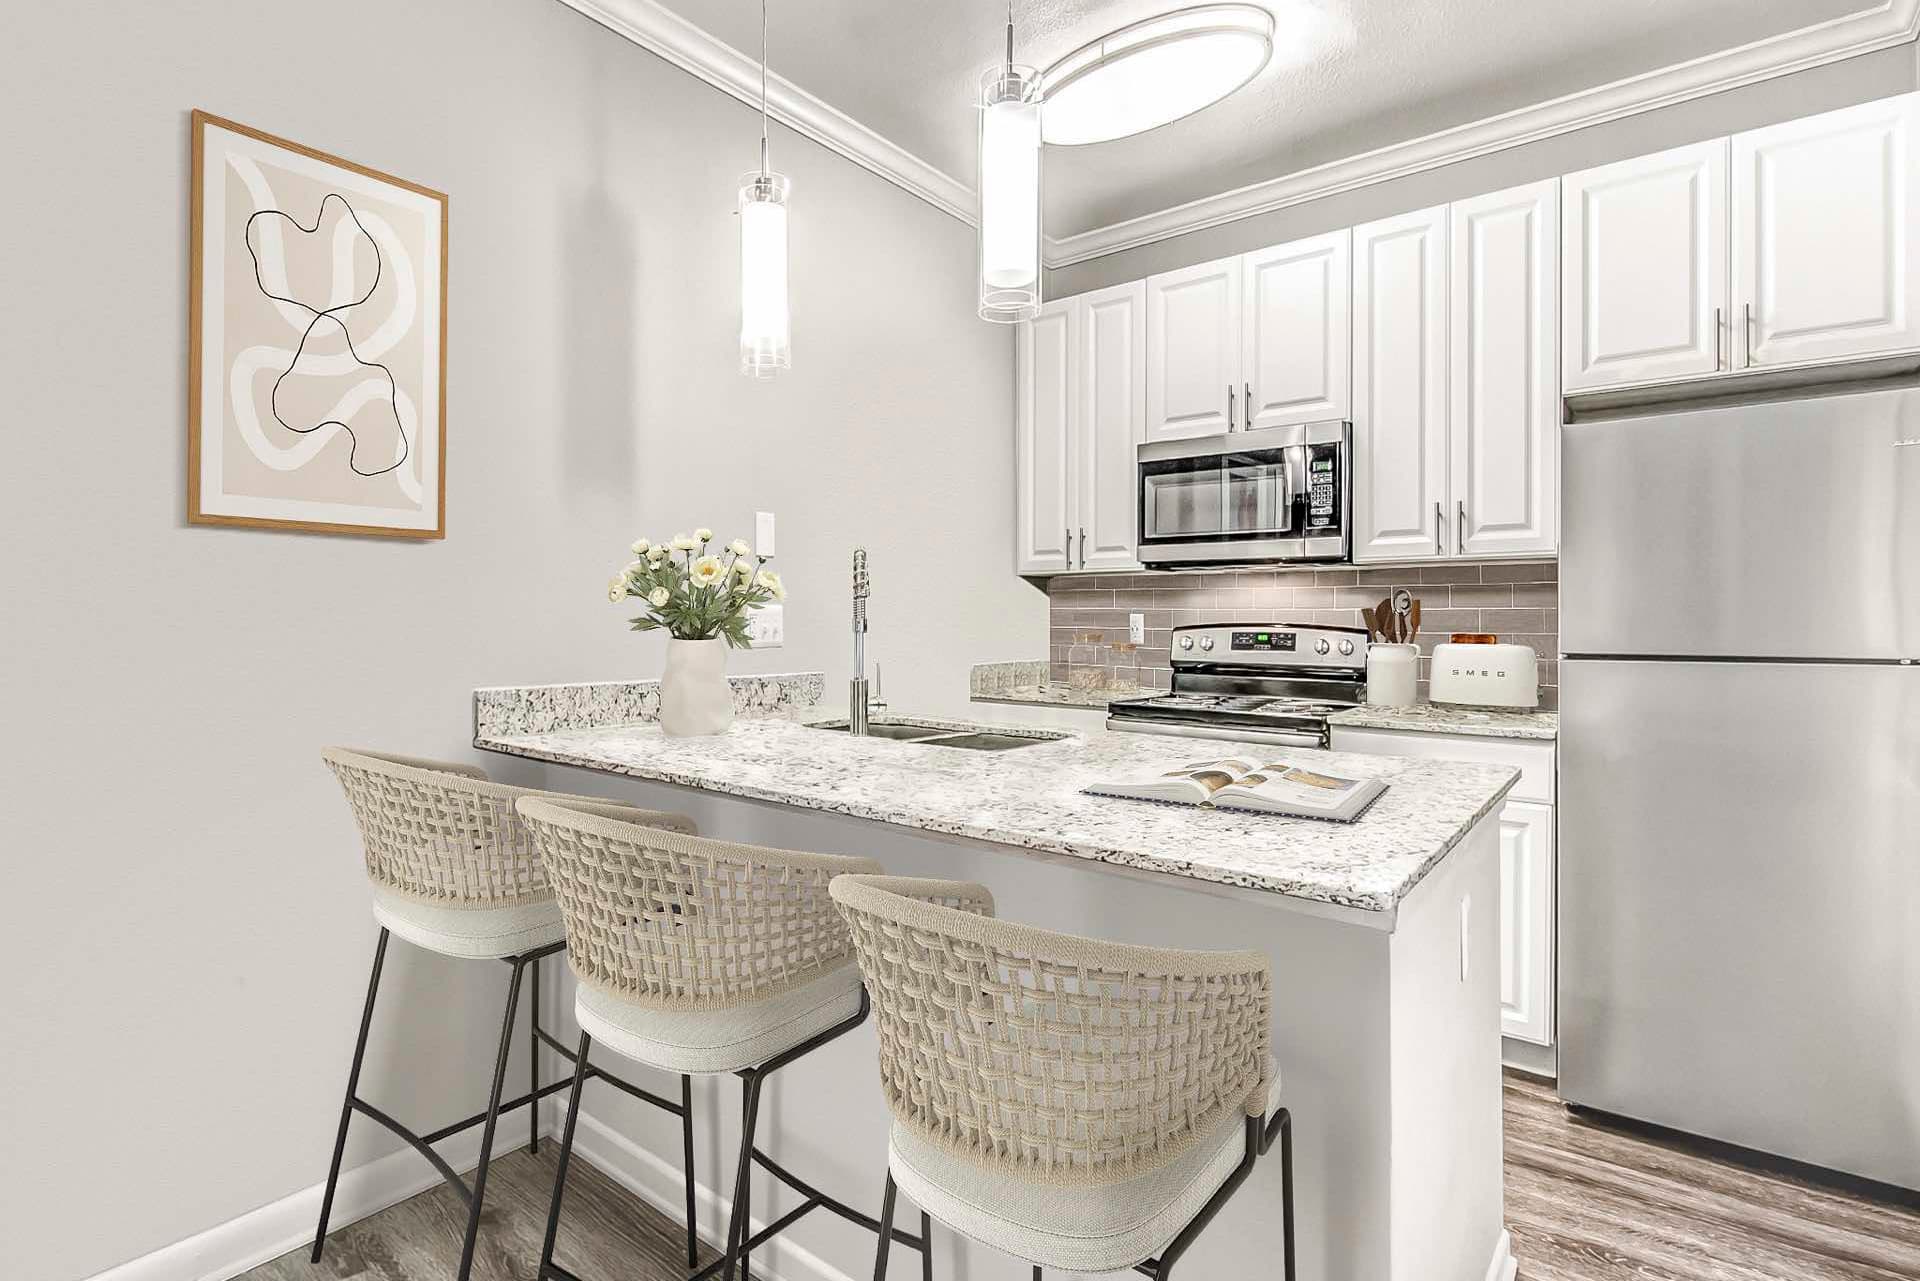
(1486, 675)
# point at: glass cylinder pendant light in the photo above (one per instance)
(1009, 190)
(765, 327)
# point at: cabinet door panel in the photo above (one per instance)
(1822, 237)
(1400, 388)
(1112, 370)
(1644, 268)
(1526, 922)
(1045, 405)
(1504, 376)
(1296, 357)
(1193, 351)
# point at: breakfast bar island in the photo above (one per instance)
(1381, 934)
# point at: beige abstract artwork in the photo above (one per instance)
(318, 341)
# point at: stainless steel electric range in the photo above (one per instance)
(1273, 683)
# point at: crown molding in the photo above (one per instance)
(659, 30)
(1891, 23)
(653, 27)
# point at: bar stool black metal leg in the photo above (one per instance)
(353, 1086)
(926, 1246)
(493, 1119)
(1036, 1272)
(533, 1061)
(686, 1152)
(886, 1230)
(1286, 1192)
(741, 1225)
(566, 1152)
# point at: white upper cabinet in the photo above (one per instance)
(1111, 373)
(1644, 268)
(1504, 371)
(1823, 235)
(1045, 404)
(1400, 388)
(1193, 351)
(1296, 363)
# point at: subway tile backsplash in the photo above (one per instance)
(1088, 646)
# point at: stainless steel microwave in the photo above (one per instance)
(1249, 497)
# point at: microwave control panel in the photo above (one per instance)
(1323, 488)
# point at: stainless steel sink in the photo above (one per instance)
(899, 733)
(945, 736)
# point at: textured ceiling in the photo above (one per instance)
(1347, 76)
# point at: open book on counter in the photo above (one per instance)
(1238, 783)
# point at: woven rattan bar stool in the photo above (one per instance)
(1081, 1105)
(703, 956)
(453, 870)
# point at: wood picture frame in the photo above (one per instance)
(379, 304)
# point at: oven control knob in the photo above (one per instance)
(1346, 648)
(1186, 642)
(1321, 646)
(1206, 642)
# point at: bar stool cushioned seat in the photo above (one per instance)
(719, 1040)
(1102, 1228)
(468, 931)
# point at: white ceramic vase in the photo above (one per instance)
(1393, 674)
(694, 695)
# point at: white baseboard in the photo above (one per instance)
(658, 1183)
(1504, 1265)
(228, 1249)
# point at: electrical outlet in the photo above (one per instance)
(1466, 935)
(1136, 629)
(767, 626)
(763, 533)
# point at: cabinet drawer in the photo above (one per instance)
(1532, 757)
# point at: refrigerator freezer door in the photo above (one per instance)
(1788, 529)
(1739, 904)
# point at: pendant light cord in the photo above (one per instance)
(763, 85)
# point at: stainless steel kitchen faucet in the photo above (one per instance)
(857, 687)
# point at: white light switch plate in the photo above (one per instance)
(763, 533)
(767, 626)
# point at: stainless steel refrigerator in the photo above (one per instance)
(1739, 889)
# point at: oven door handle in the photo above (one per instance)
(1235, 734)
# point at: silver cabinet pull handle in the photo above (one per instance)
(1083, 546)
(1246, 403)
(1229, 406)
(1067, 530)
(1746, 334)
(1460, 527)
(1719, 323)
(1438, 524)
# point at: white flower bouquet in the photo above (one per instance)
(695, 594)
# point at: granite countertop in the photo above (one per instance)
(1442, 718)
(1030, 797)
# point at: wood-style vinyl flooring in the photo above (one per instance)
(1586, 1202)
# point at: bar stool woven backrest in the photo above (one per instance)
(1055, 1058)
(439, 830)
(673, 921)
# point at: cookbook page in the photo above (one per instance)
(1192, 784)
(1288, 788)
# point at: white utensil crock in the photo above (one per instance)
(1393, 674)
(695, 698)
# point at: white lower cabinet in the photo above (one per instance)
(1527, 865)
(1526, 921)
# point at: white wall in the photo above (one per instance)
(1805, 93)
(186, 925)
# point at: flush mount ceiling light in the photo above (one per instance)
(1153, 72)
